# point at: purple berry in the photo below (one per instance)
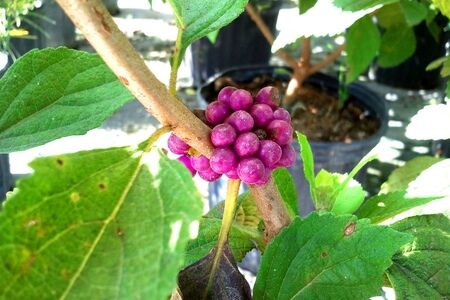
(223, 160)
(241, 120)
(246, 144)
(200, 163)
(223, 135)
(177, 145)
(265, 177)
(282, 114)
(288, 156)
(187, 163)
(268, 95)
(209, 175)
(216, 112)
(225, 94)
(269, 153)
(262, 114)
(241, 100)
(280, 132)
(251, 170)
(232, 174)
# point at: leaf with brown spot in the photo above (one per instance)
(227, 283)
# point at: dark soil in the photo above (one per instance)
(316, 113)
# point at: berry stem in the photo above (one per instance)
(155, 137)
(176, 60)
(97, 25)
(227, 221)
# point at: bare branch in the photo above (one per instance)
(330, 58)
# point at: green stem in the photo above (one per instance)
(227, 221)
(176, 61)
(155, 137)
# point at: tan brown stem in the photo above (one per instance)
(330, 58)
(262, 26)
(305, 60)
(97, 25)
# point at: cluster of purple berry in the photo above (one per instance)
(252, 137)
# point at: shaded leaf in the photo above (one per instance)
(286, 186)
(305, 5)
(422, 269)
(414, 11)
(327, 257)
(390, 15)
(228, 282)
(397, 44)
(197, 18)
(384, 206)
(445, 71)
(308, 163)
(360, 4)
(52, 93)
(85, 222)
(401, 177)
(363, 31)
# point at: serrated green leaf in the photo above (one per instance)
(384, 206)
(308, 163)
(84, 223)
(362, 32)
(414, 11)
(52, 93)
(437, 63)
(286, 186)
(422, 269)
(443, 6)
(305, 5)
(390, 15)
(197, 18)
(398, 43)
(401, 177)
(327, 257)
(353, 5)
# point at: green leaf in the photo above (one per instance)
(384, 206)
(305, 5)
(401, 177)
(390, 15)
(397, 44)
(434, 181)
(448, 89)
(308, 163)
(52, 93)
(437, 63)
(362, 44)
(445, 71)
(91, 223)
(414, 11)
(443, 6)
(327, 257)
(286, 186)
(212, 36)
(422, 269)
(197, 18)
(360, 4)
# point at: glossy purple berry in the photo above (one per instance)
(280, 132)
(269, 153)
(223, 135)
(246, 144)
(265, 177)
(282, 114)
(262, 114)
(288, 156)
(268, 95)
(225, 94)
(232, 174)
(200, 163)
(177, 145)
(251, 170)
(216, 112)
(186, 161)
(241, 120)
(241, 100)
(209, 175)
(223, 160)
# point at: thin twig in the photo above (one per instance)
(262, 26)
(97, 25)
(330, 58)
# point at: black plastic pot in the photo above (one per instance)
(332, 156)
(238, 44)
(411, 74)
(58, 30)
